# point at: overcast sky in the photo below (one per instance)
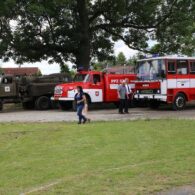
(54, 68)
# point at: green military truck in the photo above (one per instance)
(31, 91)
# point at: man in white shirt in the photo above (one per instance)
(122, 97)
(128, 93)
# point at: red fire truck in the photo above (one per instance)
(166, 80)
(98, 87)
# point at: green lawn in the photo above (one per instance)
(135, 157)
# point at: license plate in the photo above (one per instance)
(147, 91)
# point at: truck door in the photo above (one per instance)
(7, 87)
(96, 88)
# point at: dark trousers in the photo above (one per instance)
(123, 105)
(79, 113)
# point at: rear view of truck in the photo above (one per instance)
(36, 92)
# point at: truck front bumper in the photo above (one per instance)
(158, 97)
(62, 99)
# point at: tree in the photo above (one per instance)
(121, 59)
(179, 36)
(64, 68)
(156, 49)
(38, 73)
(132, 61)
(6, 35)
(79, 30)
(1, 70)
(100, 65)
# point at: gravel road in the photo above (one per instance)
(110, 113)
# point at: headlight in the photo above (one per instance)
(137, 91)
(58, 90)
(158, 91)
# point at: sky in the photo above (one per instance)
(54, 68)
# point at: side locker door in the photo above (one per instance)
(183, 81)
(171, 74)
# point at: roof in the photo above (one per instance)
(112, 69)
(90, 71)
(21, 71)
(168, 57)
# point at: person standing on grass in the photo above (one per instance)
(122, 95)
(80, 101)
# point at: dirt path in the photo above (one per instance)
(108, 114)
(184, 190)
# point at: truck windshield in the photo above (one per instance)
(81, 77)
(150, 70)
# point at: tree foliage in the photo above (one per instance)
(132, 61)
(80, 30)
(64, 68)
(121, 59)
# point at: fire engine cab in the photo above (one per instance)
(97, 86)
(166, 79)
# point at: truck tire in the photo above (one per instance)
(154, 104)
(43, 103)
(65, 105)
(28, 105)
(179, 102)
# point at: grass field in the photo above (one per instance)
(138, 157)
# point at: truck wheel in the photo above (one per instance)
(179, 102)
(43, 103)
(154, 104)
(65, 105)
(28, 105)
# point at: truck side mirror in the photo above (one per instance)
(4, 80)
